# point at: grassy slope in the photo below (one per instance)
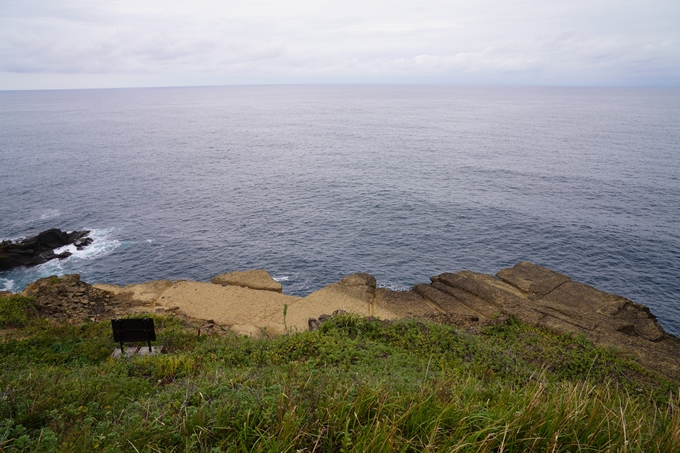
(351, 386)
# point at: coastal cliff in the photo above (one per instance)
(251, 302)
(520, 361)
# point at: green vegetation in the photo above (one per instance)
(16, 310)
(353, 385)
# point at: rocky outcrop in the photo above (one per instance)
(68, 299)
(253, 312)
(228, 305)
(314, 323)
(404, 304)
(354, 289)
(253, 279)
(535, 295)
(40, 249)
(146, 293)
(543, 298)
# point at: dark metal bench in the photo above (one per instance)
(134, 329)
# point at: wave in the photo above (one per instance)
(50, 214)
(6, 284)
(393, 286)
(103, 244)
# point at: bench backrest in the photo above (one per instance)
(135, 329)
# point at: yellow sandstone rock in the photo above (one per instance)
(143, 292)
(254, 279)
(251, 303)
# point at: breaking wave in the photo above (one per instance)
(103, 244)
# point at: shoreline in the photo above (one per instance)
(251, 303)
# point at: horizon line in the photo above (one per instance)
(421, 84)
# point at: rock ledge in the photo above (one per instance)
(251, 302)
(253, 279)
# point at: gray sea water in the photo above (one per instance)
(315, 182)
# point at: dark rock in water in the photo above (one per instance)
(53, 238)
(40, 249)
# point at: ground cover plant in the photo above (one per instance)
(16, 310)
(353, 385)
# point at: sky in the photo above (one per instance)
(63, 44)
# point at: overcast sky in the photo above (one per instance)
(90, 43)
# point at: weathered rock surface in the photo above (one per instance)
(144, 292)
(354, 289)
(253, 279)
(404, 304)
(544, 298)
(314, 323)
(249, 311)
(353, 294)
(68, 299)
(536, 295)
(40, 249)
(228, 305)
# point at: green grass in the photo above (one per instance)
(16, 310)
(353, 385)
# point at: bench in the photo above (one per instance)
(134, 329)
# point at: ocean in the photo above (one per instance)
(316, 182)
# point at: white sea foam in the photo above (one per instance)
(102, 245)
(6, 284)
(16, 238)
(285, 278)
(392, 286)
(46, 215)
(50, 214)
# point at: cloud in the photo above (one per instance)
(206, 41)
